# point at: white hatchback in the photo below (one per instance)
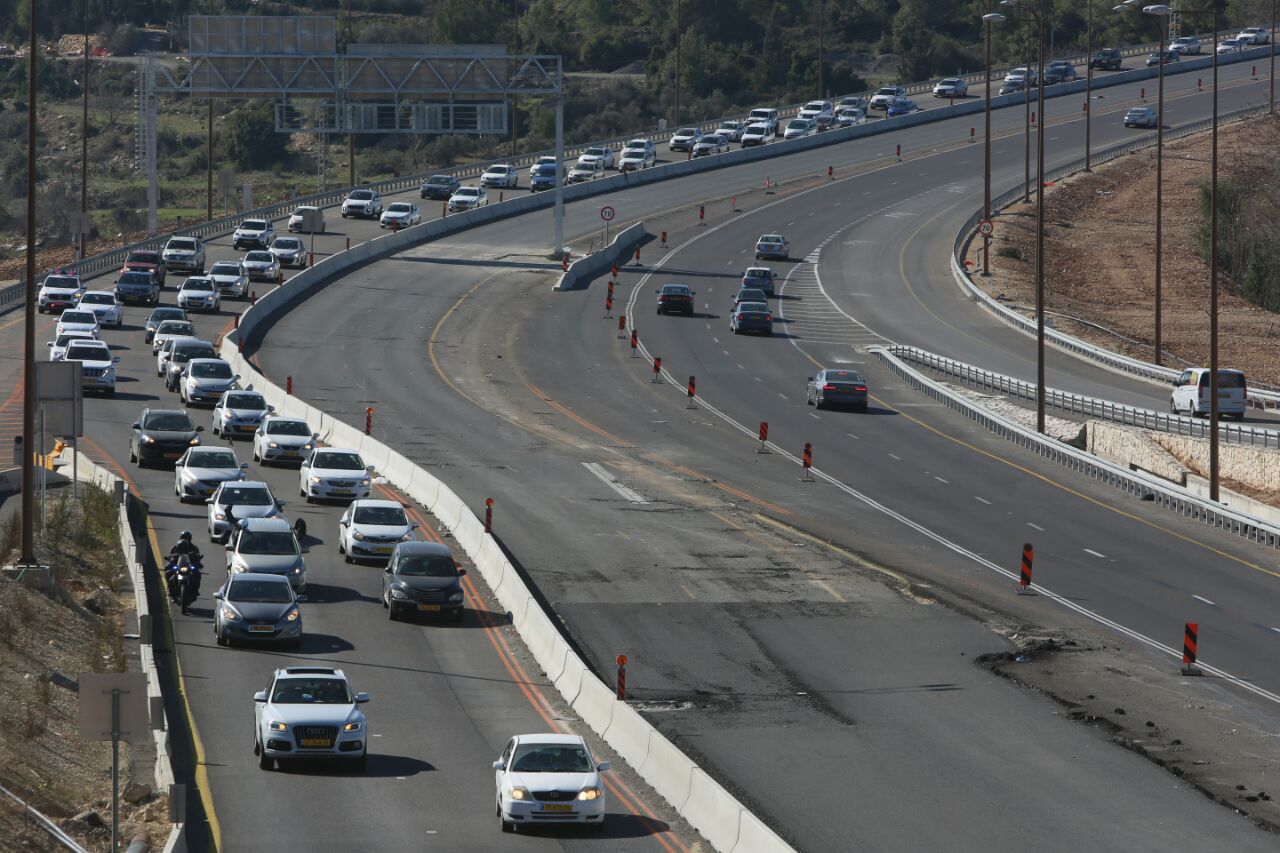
(371, 529)
(334, 473)
(77, 320)
(549, 778)
(103, 303)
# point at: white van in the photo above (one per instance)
(765, 115)
(1191, 393)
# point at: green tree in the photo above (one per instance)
(249, 138)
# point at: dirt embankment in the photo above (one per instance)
(1100, 250)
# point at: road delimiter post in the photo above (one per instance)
(288, 385)
(621, 660)
(635, 343)
(1190, 637)
(806, 459)
(368, 420)
(488, 515)
(764, 437)
(1024, 578)
(657, 370)
(692, 392)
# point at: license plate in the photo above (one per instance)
(556, 807)
(342, 492)
(261, 629)
(289, 453)
(172, 455)
(383, 549)
(247, 428)
(315, 741)
(430, 608)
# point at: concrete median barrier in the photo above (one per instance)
(712, 810)
(755, 837)
(583, 270)
(628, 733)
(667, 770)
(595, 704)
(569, 682)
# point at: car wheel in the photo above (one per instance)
(347, 558)
(265, 762)
(385, 604)
(221, 637)
(860, 407)
(507, 826)
(1173, 407)
(392, 614)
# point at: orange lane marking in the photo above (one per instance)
(533, 694)
(576, 418)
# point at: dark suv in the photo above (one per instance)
(439, 187)
(421, 577)
(161, 435)
(1107, 59)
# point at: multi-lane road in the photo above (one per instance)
(759, 648)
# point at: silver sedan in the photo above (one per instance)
(261, 265)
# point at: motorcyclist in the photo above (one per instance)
(184, 547)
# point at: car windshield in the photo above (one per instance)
(756, 129)
(65, 340)
(551, 758)
(499, 170)
(175, 327)
(302, 211)
(1228, 379)
(545, 169)
(440, 179)
(288, 428)
(797, 123)
(887, 90)
(97, 299)
(245, 496)
(136, 277)
(595, 152)
(167, 314)
(467, 191)
(750, 294)
(143, 258)
(259, 257)
(168, 422)
(759, 274)
(287, 243)
(426, 566)
(950, 81)
(360, 195)
(339, 461)
(212, 459)
(386, 515)
(398, 207)
(270, 543)
(211, 370)
(79, 317)
(753, 308)
(262, 592)
(183, 245)
(61, 281)
(771, 238)
(225, 268)
(677, 289)
(254, 225)
(840, 376)
(686, 131)
(311, 691)
(198, 284)
(88, 352)
(245, 401)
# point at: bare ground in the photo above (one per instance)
(1100, 249)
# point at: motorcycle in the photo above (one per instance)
(184, 582)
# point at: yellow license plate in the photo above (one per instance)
(556, 807)
(431, 608)
(315, 741)
(383, 549)
(342, 491)
(247, 428)
(261, 629)
(288, 453)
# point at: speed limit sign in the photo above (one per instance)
(607, 213)
(985, 228)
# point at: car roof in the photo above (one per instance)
(552, 738)
(196, 361)
(307, 671)
(277, 418)
(337, 450)
(268, 525)
(151, 411)
(261, 577)
(434, 549)
(675, 284)
(377, 504)
(251, 483)
(97, 293)
(830, 371)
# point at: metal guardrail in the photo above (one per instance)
(1137, 483)
(43, 822)
(1260, 395)
(1079, 404)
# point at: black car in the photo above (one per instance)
(439, 187)
(161, 435)
(1107, 59)
(421, 577)
(675, 299)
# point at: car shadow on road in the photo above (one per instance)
(470, 619)
(616, 825)
(378, 766)
(319, 593)
(321, 644)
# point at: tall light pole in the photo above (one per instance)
(1088, 87)
(1163, 25)
(822, 8)
(29, 321)
(84, 141)
(1271, 39)
(987, 19)
(1039, 19)
(678, 33)
(1026, 124)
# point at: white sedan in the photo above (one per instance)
(370, 529)
(239, 413)
(198, 472)
(334, 473)
(230, 278)
(773, 246)
(468, 198)
(199, 293)
(280, 439)
(77, 320)
(500, 175)
(549, 778)
(400, 214)
(261, 265)
(597, 152)
(103, 303)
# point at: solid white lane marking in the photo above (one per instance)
(982, 499)
(1205, 600)
(1036, 526)
(609, 480)
(940, 480)
(1095, 553)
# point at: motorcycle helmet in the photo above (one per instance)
(185, 536)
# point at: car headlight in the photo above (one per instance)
(292, 615)
(358, 536)
(194, 441)
(408, 537)
(457, 596)
(277, 726)
(272, 444)
(399, 594)
(353, 726)
(149, 439)
(230, 613)
(365, 481)
(308, 446)
(315, 480)
(519, 792)
(296, 570)
(589, 793)
(238, 566)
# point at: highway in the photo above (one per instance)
(746, 632)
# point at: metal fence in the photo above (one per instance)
(1078, 404)
(1145, 486)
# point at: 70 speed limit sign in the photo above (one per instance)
(985, 228)
(606, 213)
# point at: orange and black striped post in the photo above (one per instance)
(608, 306)
(764, 437)
(622, 326)
(702, 214)
(615, 271)
(288, 384)
(806, 459)
(622, 676)
(635, 343)
(488, 515)
(611, 288)
(368, 420)
(693, 392)
(1190, 639)
(657, 369)
(1028, 557)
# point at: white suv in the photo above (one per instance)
(309, 712)
(365, 203)
(254, 234)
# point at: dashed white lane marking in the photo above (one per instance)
(1095, 553)
(982, 499)
(1205, 600)
(783, 396)
(1036, 526)
(814, 415)
(740, 367)
(940, 480)
(725, 351)
(896, 456)
(717, 340)
(612, 482)
(757, 378)
(851, 435)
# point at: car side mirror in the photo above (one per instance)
(260, 696)
(280, 503)
(810, 378)
(369, 468)
(137, 426)
(603, 766)
(387, 569)
(199, 429)
(48, 343)
(499, 765)
(244, 465)
(315, 436)
(115, 360)
(415, 524)
(362, 697)
(237, 376)
(271, 408)
(218, 596)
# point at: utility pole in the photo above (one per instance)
(351, 137)
(29, 321)
(84, 140)
(1088, 91)
(208, 162)
(678, 33)
(822, 27)
(515, 46)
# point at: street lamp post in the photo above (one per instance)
(1026, 125)
(987, 19)
(1163, 24)
(1040, 395)
(29, 320)
(1088, 88)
